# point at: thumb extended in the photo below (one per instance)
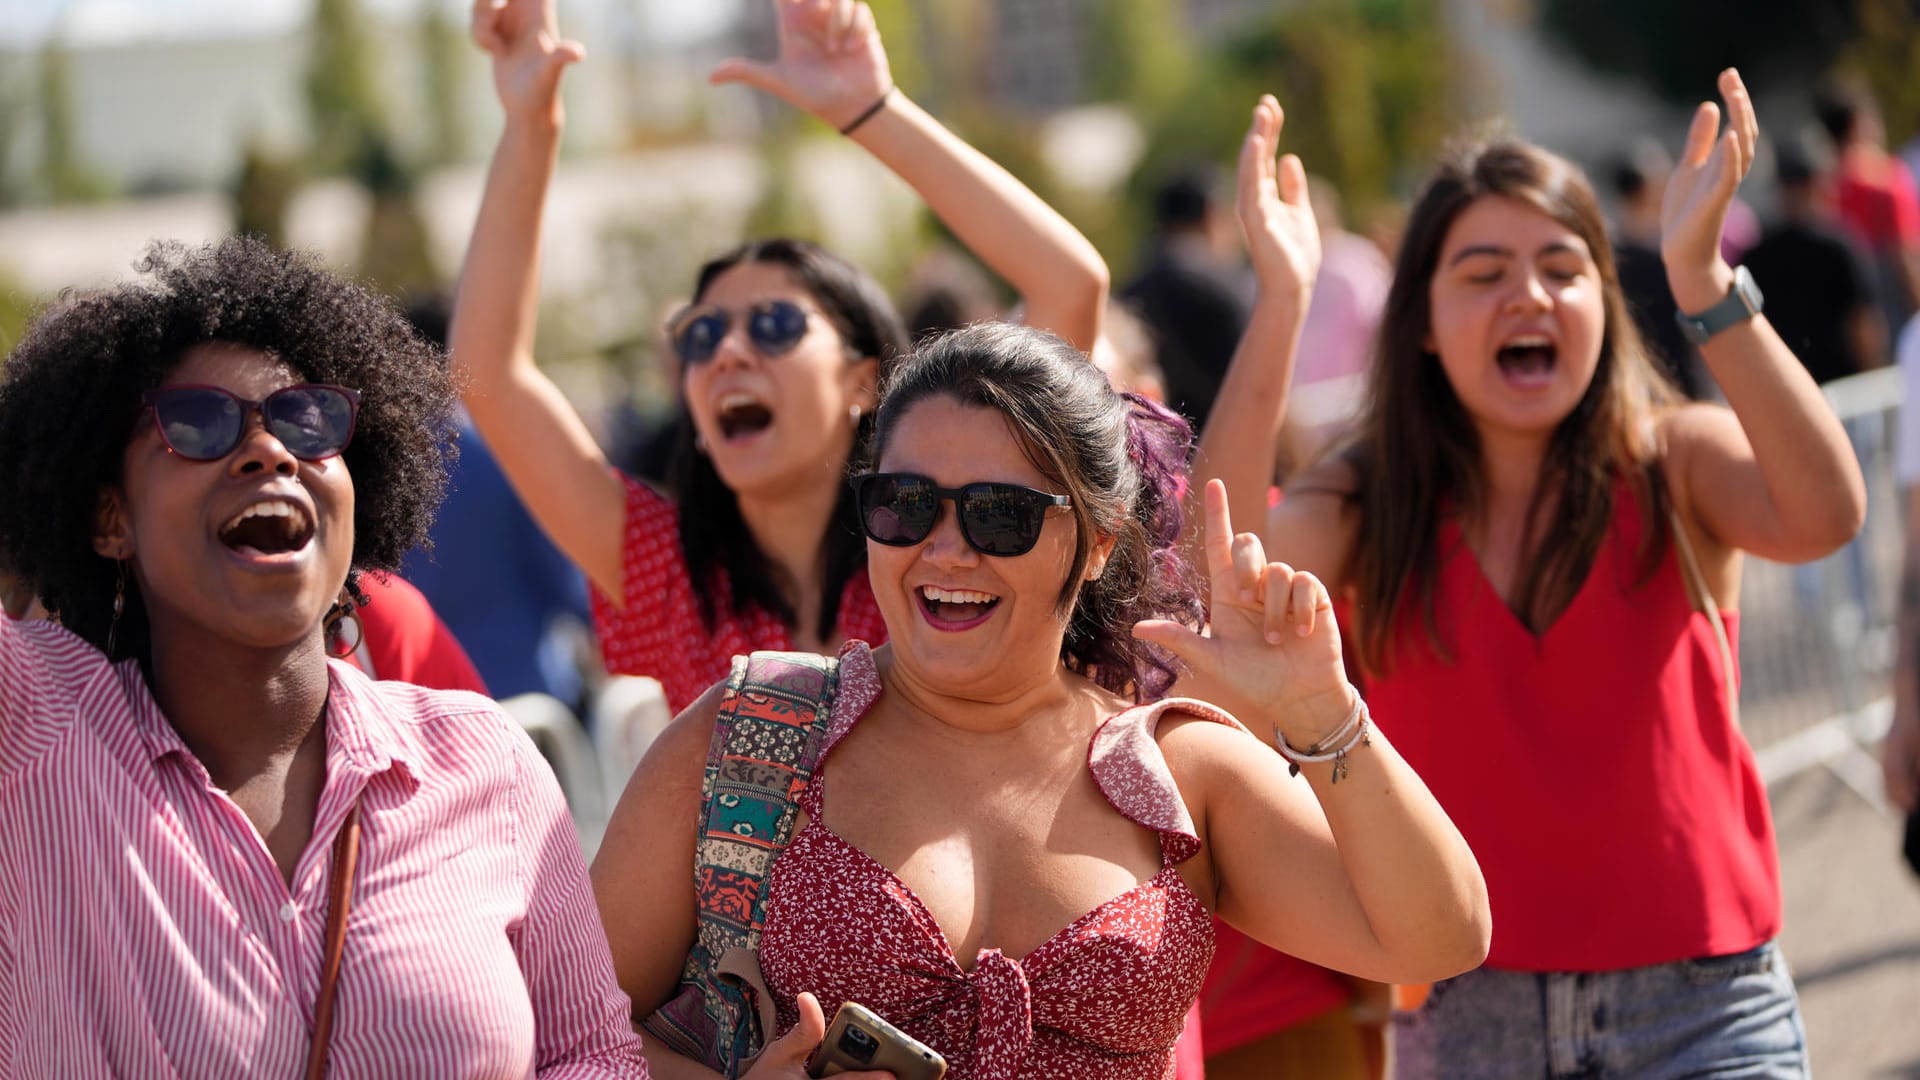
(741, 70)
(1190, 648)
(798, 1043)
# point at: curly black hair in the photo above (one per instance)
(70, 396)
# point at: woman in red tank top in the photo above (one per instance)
(1529, 534)
(1005, 850)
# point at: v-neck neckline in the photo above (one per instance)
(1512, 618)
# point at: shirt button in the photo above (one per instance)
(287, 912)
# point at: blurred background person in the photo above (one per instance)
(1193, 292)
(1639, 183)
(1875, 193)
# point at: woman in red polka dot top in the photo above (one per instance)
(780, 354)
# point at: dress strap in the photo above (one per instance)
(1133, 774)
(859, 688)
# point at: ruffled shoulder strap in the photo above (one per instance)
(859, 685)
(1133, 774)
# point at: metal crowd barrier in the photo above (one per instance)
(1817, 641)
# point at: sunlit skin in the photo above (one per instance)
(1509, 273)
(167, 512)
(1017, 647)
(809, 390)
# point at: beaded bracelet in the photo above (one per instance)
(1352, 732)
(878, 104)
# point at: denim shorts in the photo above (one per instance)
(1721, 1016)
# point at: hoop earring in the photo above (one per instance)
(344, 610)
(119, 606)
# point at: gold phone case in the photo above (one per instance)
(858, 1039)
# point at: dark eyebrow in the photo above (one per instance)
(1557, 247)
(1480, 249)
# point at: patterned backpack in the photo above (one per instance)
(766, 742)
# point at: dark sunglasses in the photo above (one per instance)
(774, 327)
(900, 509)
(205, 423)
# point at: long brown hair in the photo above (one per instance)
(1417, 452)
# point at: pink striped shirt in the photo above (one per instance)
(145, 930)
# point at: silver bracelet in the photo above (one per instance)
(1351, 733)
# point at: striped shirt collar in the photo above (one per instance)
(365, 737)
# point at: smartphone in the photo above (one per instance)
(858, 1039)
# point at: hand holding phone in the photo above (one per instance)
(786, 1058)
(858, 1039)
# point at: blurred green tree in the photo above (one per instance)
(17, 308)
(443, 55)
(263, 192)
(1887, 54)
(344, 105)
(64, 174)
(395, 250)
(1138, 52)
(1369, 87)
(1677, 47)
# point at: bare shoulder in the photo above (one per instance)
(680, 751)
(1316, 523)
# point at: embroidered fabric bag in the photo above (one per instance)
(766, 742)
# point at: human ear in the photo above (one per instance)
(112, 532)
(1097, 557)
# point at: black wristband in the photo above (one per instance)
(878, 104)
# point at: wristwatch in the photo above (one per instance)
(1739, 305)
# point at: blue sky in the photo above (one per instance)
(113, 22)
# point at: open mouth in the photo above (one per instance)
(956, 609)
(268, 527)
(1528, 360)
(743, 416)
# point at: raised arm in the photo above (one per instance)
(1366, 874)
(540, 441)
(832, 64)
(1777, 477)
(1242, 435)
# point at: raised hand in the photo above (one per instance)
(786, 1058)
(831, 62)
(1711, 166)
(1283, 239)
(1273, 646)
(523, 37)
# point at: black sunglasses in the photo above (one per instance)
(205, 423)
(774, 327)
(900, 509)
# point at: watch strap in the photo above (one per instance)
(1741, 303)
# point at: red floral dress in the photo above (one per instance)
(658, 631)
(1105, 997)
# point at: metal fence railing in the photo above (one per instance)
(1817, 641)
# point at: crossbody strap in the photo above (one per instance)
(346, 855)
(1702, 599)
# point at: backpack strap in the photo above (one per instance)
(766, 740)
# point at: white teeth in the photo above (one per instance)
(267, 508)
(736, 400)
(956, 596)
(1528, 341)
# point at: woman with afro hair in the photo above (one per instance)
(229, 853)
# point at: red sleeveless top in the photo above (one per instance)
(1596, 770)
(1106, 996)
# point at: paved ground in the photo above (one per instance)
(1853, 929)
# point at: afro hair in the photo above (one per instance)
(70, 396)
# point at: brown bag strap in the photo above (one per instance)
(346, 854)
(1702, 598)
